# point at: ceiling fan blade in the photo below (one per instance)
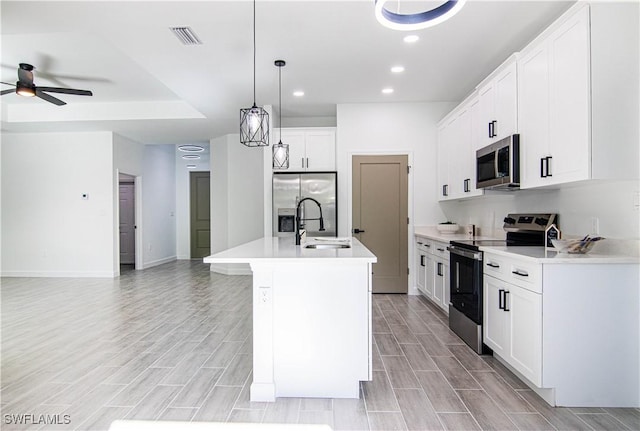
(66, 91)
(3, 92)
(48, 98)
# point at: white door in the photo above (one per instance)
(127, 224)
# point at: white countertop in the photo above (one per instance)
(539, 255)
(284, 250)
(430, 232)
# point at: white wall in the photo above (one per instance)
(159, 205)
(183, 221)
(391, 128)
(47, 228)
(237, 196)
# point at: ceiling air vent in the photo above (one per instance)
(186, 35)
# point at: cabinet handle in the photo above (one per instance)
(521, 274)
(445, 190)
(419, 243)
(505, 301)
(542, 175)
(440, 269)
(421, 260)
(493, 265)
(466, 185)
(493, 129)
(302, 159)
(548, 159)
(427, 245)
(307, 162)
(457, 276)
(500, 300)
(441, 249)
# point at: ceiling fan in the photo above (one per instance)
(26, 87)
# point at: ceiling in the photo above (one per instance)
(149, 87)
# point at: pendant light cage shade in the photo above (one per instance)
(281, 156)
(254, 127)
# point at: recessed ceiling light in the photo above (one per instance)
(191, 157)
(397, 69)
(298, 93)
(191, 166)
(387, 90)
(191, 148)
(412, 38)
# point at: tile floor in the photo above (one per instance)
(174, 343)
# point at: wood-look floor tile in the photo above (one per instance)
(196, 391)
(503, 394)
(602, 421)
(456, 375)
(237, 372)
(350, 414)
(507, 375)
(186, 369)
(283, 410)
(181, 414)
(218, 405)
(154, 403)
(468, 358)
(458, 421)
(400, 373)
(386, 421)
(378, 394)
(417, 411)
(393, 317)
(417, 325)
(246, 416)
(418, 358)
(380, 325)
(223, 355)
(485, 411)
(175, 354)
(444, 334)
(387, 344)
(561, 418)
(403, 334)
(136, 390)
(102, 419)
(440, 393)
(316, 404)
(316, 417)
(531, 421)
(432, 345)
(377, 364)
(628, 416)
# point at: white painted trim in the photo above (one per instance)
(139, 249)
(61, 274)
(231, 269)
(263, 392)
(158, 262)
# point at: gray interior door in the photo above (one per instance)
(200, 214)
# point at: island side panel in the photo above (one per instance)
(321, 323)
(263, 386)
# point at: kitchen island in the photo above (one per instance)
(311, 316)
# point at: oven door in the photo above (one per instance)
(466, 282)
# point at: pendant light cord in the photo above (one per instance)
(254, 52)
(280, 98)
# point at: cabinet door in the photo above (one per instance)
(320, 150)
(569, 105)
(487, 101)
(444, 140)
(494, 320)
(506, 103)
(421, 270)
(439, 281)
(295, 139)
(525, 338)
(533, 115)
(429, 283)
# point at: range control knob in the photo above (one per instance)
(509, 220)
(541, 221)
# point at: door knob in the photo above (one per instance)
(356, 230)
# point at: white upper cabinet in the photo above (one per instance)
(554, 106)
(498, 104)
(456, 152)
(310, 149)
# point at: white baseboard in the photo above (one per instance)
(231, 268)
(61, 274)
(157, 262)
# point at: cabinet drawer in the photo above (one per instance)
(495, 266)
(524, 274)
(440, 249)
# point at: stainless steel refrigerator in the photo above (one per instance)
(291, 188)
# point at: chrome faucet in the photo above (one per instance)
(299, 218)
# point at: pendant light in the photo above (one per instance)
(419, 20)
(280, 150)
(254, 121)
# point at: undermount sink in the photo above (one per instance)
(327, 246)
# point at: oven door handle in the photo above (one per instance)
(457, 276)
(475, 255)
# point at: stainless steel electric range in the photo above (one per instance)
(465, 309)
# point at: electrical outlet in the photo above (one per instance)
(264, 295)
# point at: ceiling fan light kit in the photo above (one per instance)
(254, 121)
(418, 20)
(280, 150)
(25, 87)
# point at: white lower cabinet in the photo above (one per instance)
(432, 267)
(512, 321)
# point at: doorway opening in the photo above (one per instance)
(127, 222)
(200, 214)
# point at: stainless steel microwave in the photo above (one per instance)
(498, 165)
